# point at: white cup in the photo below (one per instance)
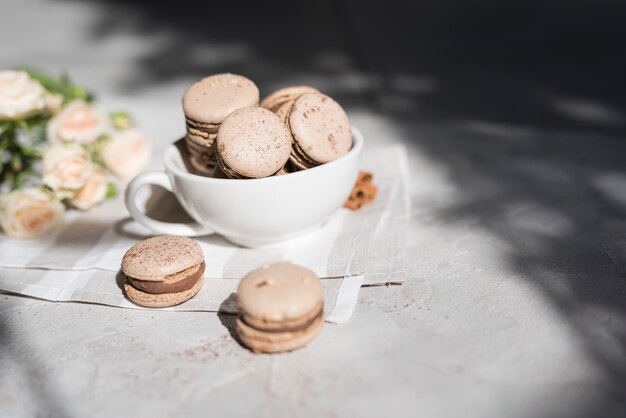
(252, 212)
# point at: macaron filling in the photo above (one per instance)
(161, 287)
(300, 327)
(230, 173)
(227, 170)
(300, 159)
(201, 137)
(203, 126)
(202, 157)
(195, 148)
(202, 133)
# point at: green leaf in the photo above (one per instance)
(16, 162)
(20, 177)
(10, 178)
(75, 92)
(35, 122)
(62, 85)
(5, 126)
(121, 120)
(31, 152)
(48, 82)
(92, 150)
(111, 191)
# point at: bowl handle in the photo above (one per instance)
(159, 178)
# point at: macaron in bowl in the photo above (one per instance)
(206, 104)
(252, 142)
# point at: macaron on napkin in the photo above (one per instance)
(163, 271)
(206, 104)
(281, 308)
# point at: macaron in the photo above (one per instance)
(252, 142)
(202, 158)
(280, 308)
(286, 94)
(319, 127)
(206, 104)
(163, 271)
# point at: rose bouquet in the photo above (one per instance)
(59, 150)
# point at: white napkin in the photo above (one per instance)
(80, 262)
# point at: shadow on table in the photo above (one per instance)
(524, 112)
(228, 316)
(18, 360)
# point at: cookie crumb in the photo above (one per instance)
(363, 193)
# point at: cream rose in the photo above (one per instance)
(126, 153)
(93, 192)
(80, 123)
(66, 167)
(29, 213)
(20, 95)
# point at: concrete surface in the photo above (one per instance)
(516, 305)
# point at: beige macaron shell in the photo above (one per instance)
(284, 94)
(284, 110)
(155, 258)
(162, 300)
(320, 127)
(253, 142)
(283, 325)
(213, 98)
(278, 292)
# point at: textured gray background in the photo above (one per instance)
(514, 114)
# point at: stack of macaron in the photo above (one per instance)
(206, 104)
(319, 126)
(230, 135)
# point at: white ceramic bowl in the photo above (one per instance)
(253, 212)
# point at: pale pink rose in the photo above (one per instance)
(93, 192)
(126, 153)
(20, 95)
(80, 123)
(66, 167)
(30, 213)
